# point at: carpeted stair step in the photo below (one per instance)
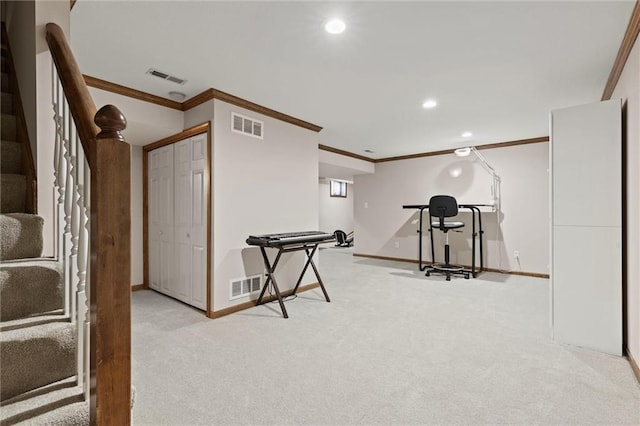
(59, 403)
(7, 103)
(20, 236)
(8, 130)
(10, 157)
(30, 287)
(5, 81)
(12, 193)
(36, 355)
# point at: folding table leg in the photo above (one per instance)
(315, 270)
(313, 265)
(271, 279)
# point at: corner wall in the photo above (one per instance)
(259, 186)
(384, 228)
(628, 89)
(20, 17)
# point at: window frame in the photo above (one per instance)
(337, 189)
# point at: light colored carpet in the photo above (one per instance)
(30, 286)
(20, 236)
(60, 403)
(12, 193)
(7, 127)
(10, 153)
(393, 347)
(6, 103)
(4, 81)
(37, 346)
(35, 356)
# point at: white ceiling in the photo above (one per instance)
(496, 68)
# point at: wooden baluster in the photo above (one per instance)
(110, 271)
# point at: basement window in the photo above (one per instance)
(338, 189)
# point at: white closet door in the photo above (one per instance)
(177, 218)
(160, 218)
(198, 239)
(182, 220)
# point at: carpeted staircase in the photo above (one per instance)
(37, 341)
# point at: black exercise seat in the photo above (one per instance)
(441, 207)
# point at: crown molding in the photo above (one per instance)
(345, 153)
(200, 98)
(450, 151)
(131, 93)
(210, 94)
(186, 133)
(629, 39)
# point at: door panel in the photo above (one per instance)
(182, 281)
(182, 219)
(587, 308)
(198, 277)
(587, 149)
(160, 216)
(586, 231)
(177, 209)
(199, 230)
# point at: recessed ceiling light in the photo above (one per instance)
(467, 134)
(429, 103)
(335, 26)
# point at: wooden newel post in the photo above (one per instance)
(110, 292)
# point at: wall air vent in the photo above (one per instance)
(165, 76)
(242, 287)
(246, 125)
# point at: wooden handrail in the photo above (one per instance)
(109, 159)
(81, 104)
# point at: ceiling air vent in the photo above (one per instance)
(165, 76)
(246, 126)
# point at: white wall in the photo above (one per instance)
(628, 89)
(137, 258)
(199, 114)
(259, 186)
(335, 212)
(146, 123)
(20, 20)
(338, 166)
(383, 224)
